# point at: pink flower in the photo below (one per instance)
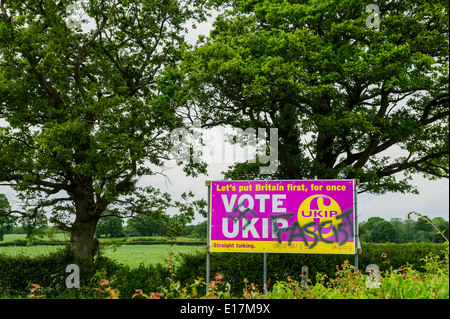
(104, 282)
(36, 287)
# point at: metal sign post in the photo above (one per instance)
(265, 273)
(208, 183)
(357, 243)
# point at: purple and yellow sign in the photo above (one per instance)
(286, 216)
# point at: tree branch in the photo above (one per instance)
(83, 49)
(375, 138)
(440, 99)
(53, 188)
(398, 167)
(51, 90)
(4, 13)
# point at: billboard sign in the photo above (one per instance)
(284, 216)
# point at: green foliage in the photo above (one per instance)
(339, 92)
(6, 222)
(236, 266)
(407, 271)
(198, 231)
(148, 278)
(384, 232)
(19, 272)
(110, 226)
(81, 119)
(378, 230)
(438, 224)
(402, 283)
(146, 225)
(399, 254)
(163, 225)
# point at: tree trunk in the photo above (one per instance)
(82, 242)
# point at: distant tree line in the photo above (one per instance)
(378, 230)
(108, 226)
(113, 226)
(148, 226)
(374, 230)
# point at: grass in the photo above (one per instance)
(28, 251)
(133, 255)
(9, 238)
(130, 255)
(64, 237)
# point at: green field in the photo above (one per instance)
(131, 255)
(28, 251)
(20, 237)
(64, 237)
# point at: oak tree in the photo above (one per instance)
(351, 98)
(80, 112)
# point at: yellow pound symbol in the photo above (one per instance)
(319, 209)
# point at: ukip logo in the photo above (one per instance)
(320, 209)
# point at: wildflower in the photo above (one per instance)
(36, 287)
(151, 295)
(384, 255)
(219, 277)
(104, 282)
(113, 293)
(139, 293)
(155, 295)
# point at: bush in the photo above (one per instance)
(402, 283)
(147, 278)
(399, 254)
(18, 273)
(236, 266)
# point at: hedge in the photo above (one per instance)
(17, 273)
(119, 241)
(237, 266)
